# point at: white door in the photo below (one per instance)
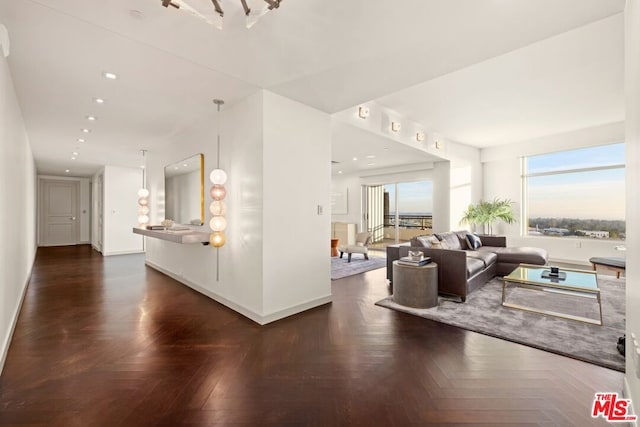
(59, 223)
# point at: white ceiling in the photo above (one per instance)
(329, 56)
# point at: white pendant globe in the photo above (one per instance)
(218, 223)
(143, 210)
(218, 176)
(143, 219)
(143, 192)
(218, 207)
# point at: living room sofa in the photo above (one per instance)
(462, 270)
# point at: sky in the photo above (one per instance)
(585, 195)
(413, 197)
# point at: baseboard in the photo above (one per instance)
(122, 253)
(626, 393)
(281, 314)
(246, 312)
(95, 248)
(14, 322)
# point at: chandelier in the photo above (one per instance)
(211, 10)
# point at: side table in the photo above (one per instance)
(415, 287)
(334, 247)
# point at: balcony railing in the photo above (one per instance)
(409, 221)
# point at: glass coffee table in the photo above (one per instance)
(576, 284)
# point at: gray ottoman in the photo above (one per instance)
(415, 287)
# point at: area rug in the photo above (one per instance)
(341, 268)
(484, 313)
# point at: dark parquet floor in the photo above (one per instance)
(110, 342)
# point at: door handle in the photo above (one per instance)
(73, 218)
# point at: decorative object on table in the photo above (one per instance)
(415, 255)
(554, 273)
(413, 262)
(143, 194)
(167, 223)
(218, 208)
(483, 313)
(486, 213)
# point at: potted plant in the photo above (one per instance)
(486, 213)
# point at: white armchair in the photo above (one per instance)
(360, 247)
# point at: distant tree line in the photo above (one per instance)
(616, 228)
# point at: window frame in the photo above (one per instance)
(525, 175)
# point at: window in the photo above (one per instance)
(576, 193)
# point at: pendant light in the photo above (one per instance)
(218, 192)
(143, 196)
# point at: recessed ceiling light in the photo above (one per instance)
(92, 118)
(98, 100)
(109, 75)
(420, 136)
(339, 171)
(355, 158)
(67, 170)
(85, 130)
(73, 158)
(80, 139)
(363, 112)
(185, 165)
(371, 156)
(75, 153)
(395, 126)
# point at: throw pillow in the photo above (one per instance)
(473, 241)
(440, 244)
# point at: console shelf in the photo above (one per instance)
(178, 236)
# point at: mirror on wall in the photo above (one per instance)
(184, 191)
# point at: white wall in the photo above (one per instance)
(502, 178)
(97, 200)
(632, 92)
(120, 214)
(258, 152)
(84, 201)
(296, 180)
(18, 209)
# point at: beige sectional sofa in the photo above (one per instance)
(461, 270)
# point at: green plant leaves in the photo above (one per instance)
(488, 212)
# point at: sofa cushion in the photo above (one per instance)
(427, 241)
(488, 258)
(518, 255)
(451, 239)
(473, 242)
(474, 266)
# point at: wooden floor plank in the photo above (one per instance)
(108, 341)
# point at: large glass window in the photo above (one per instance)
(576, 193)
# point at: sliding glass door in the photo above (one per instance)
(397, 212)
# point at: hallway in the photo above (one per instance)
(108, 341)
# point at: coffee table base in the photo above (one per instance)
(549, 312)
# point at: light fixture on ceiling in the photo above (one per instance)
(81, 139)
(213, 13)
(91, 118)
(109, 75)
(143, 194)
(85, 130)
(420, 136)
(67, 171)
(75, 153)
(340, 172)
(395, 126)
(218, 192)
(371, 156)
(98, 100)
(438, 145)
(363, 112)
(355, 158)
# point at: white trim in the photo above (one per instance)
(626, 393)
(281, 314)
(121, 252)
(256, 317)
(16, 314)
